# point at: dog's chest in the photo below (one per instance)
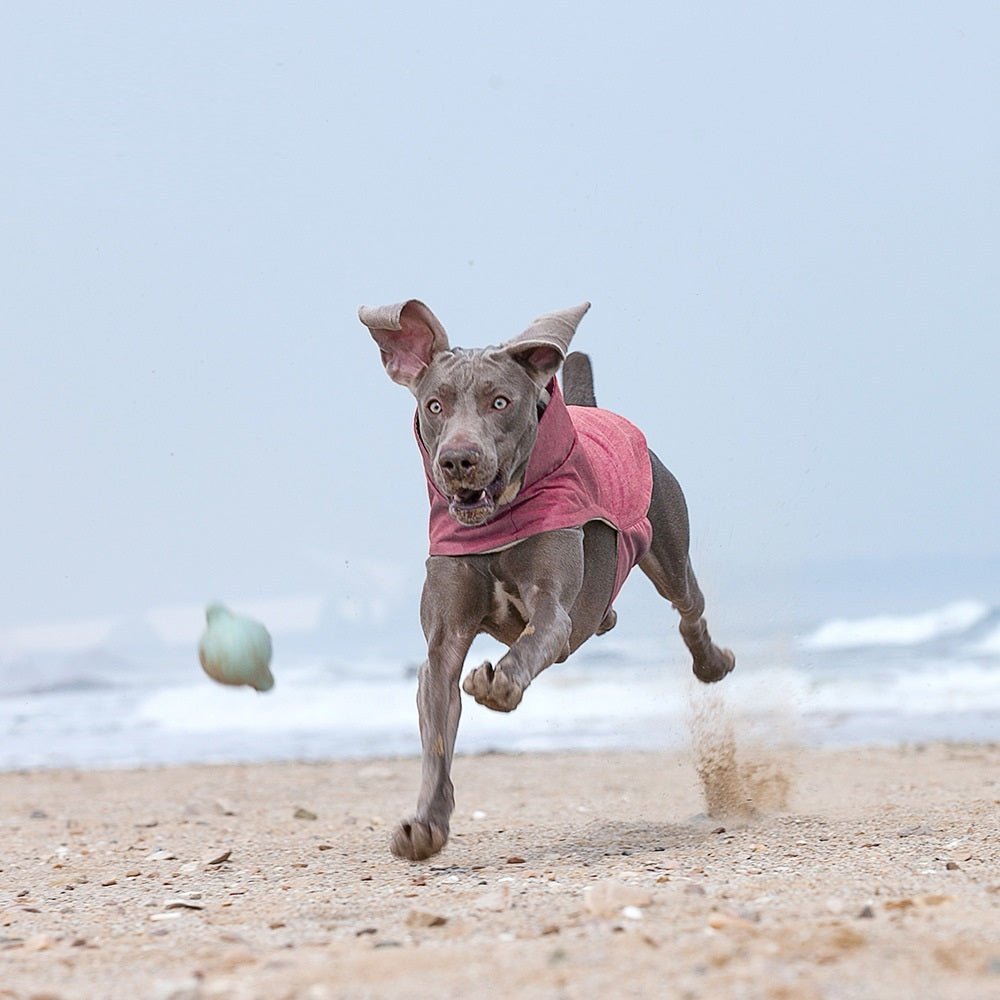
(507, 604)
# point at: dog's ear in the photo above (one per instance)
(543, 347)
(408, 335)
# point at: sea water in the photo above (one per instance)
(836, 654)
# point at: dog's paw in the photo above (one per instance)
(720, 663)
(416, 839)
(493, 688)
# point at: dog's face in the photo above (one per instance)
(477, 414)
(477, 410)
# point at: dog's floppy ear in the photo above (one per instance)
(543, 347)
(408, 335)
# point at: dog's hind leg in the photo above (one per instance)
(667, 564)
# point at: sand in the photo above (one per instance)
(848, 873)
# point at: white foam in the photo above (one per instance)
(897, 630)
(207, 708)
(320, 708)
(954, 688)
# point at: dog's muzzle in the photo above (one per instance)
(472, 507)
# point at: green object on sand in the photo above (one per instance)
(235, 650)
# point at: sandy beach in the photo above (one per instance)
(835, 874)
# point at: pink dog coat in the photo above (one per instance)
(587, 464)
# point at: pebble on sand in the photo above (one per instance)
(421, 918)
(183, 903)
(161, 856)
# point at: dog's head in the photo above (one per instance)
(477, 410)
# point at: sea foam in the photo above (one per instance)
(898, 630)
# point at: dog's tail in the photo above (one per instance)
(578, 380)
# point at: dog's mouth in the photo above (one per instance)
(472, 507)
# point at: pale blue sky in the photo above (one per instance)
(785, 216)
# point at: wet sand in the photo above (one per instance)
(825, 874)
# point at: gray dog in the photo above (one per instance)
(540, 506)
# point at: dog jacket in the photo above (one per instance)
(587, 464)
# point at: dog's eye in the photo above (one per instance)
(434, 405)
(501, 403)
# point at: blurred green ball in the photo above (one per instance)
(235, 650)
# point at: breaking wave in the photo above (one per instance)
(963, 622)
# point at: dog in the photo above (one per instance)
(540, 505)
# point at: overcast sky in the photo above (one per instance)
(786, 217)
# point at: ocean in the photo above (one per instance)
(831, 654)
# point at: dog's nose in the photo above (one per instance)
(459, 461)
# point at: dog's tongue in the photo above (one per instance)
(470, 500)
(475, 502)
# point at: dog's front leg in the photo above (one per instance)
(454, 603)
(547, 572)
